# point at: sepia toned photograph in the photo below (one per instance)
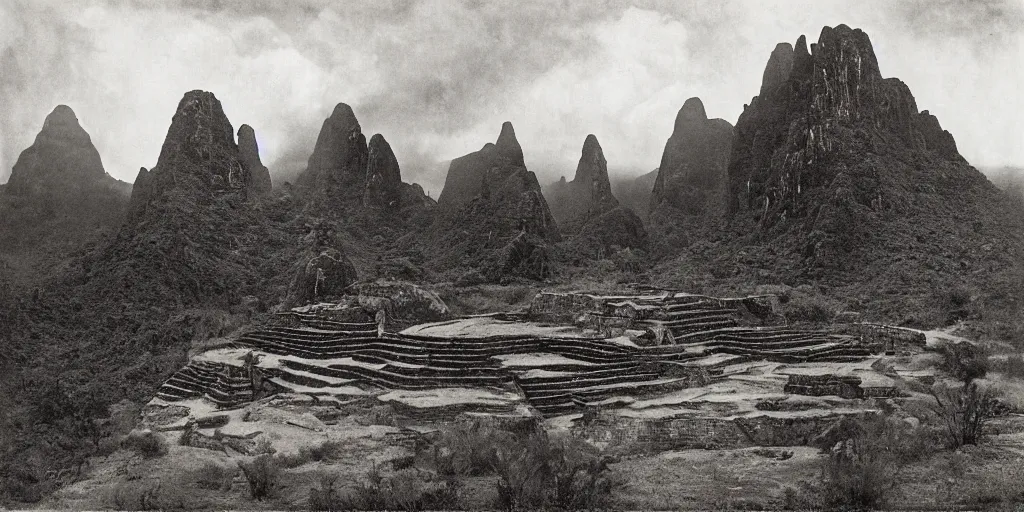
(416, 255)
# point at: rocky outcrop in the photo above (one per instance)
(326, 273)
(588, 195)
(322, 270)
(259, 181)
(383, 187)
(689, 198)
(404, 303)
(336, 171)
(610, 232)
(199, 160)
(58, 192)
(839, 157)
(493, 216)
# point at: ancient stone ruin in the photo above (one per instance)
(655, 370)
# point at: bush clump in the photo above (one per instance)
(541, 472)
(328, 450)
(405, 490)
(262, 474)
(862, 468)
(146, 443)
(214, 476)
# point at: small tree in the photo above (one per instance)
(262, 475)
(964, 412)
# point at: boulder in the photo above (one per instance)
(405, 303)
(327, 272)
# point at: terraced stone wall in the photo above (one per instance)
(650, 435)
(563, 307)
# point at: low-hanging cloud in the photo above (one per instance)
(437, 78)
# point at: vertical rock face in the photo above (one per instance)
(336, 171)
(588, 195)
(780, 65)
(383, 187)
(509, 151)
(833, 104)
(836, 148)
(493, 215)
(690, 193)
(259, 181)
(199, 159)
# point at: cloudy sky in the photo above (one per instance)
(437, 78)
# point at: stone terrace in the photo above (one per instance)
(547, 370)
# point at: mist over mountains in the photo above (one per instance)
(283, 70)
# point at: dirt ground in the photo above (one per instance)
(697, 479)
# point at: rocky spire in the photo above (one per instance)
(199, 156)
(383, 176)
(836, 146)
(249, 150)
(780, 65)
(690, 190)
(508, 147)
(337, 167)
(465, 181)
(588, 195)
(493, 216)
(592, 168)
(62, 157)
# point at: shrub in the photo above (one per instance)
(1012, 366)
(964, 361)
(214, 476)
(964, 412)
(540, 472)
(464, 450)
(326, 496)
(861, 470)
(262, 474)
(808, 307)
(137, 497)
(328, 450)
(147, 443)
(405, 490)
